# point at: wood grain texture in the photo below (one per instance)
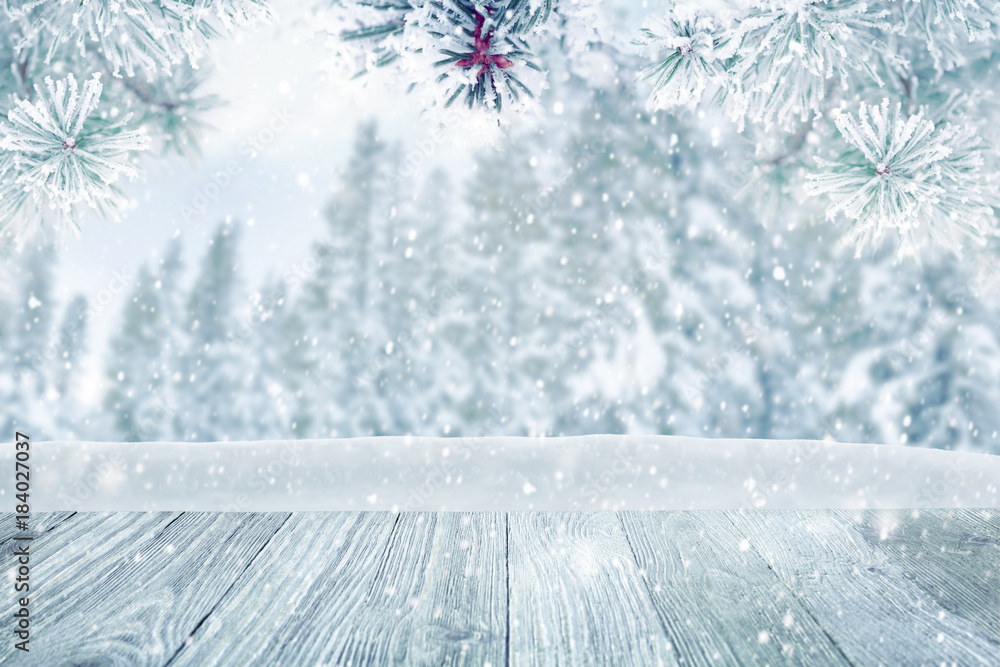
(443, 585)
(718, 600)
(39, 523)
(128, 588)
(952, 555)
(576, 596)
(314, 566)
(367, 588)
(859, 592)
(61, 565)
(644, 588)
(989, 517)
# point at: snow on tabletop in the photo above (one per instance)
(597, 472)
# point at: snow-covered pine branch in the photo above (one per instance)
(58, 149)
(688, 55)
(476, 53)
(774, 63)
(58, 152)
(901, 173)
(789, 54)
(780, 69)
(954, 31)
(134, 36)
(170, 108)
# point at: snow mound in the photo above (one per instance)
(597, 472)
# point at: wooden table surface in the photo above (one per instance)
(761, 587)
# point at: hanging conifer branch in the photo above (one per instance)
(902, 174)
(61, 150)
(458, 51)
(918, 166)
(60, 153)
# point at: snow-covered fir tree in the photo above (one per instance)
(143, 362)
(27, 335)
(142, 366)
(505, 252)
(261, 339)
(67, 368)
(419, 295)
(133, 368)
(211, 370)
(339, 302)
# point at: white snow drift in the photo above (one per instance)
(501, 473)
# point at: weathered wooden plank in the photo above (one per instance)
(718, 600)
(439, 596)
(892, 587)
(860, 593)
(316, 566)
(370, 587)
(128, 588)
(89, 541)
(360, 588)
(576, 596)
(990, 517)
(39, 523)
(953, 555)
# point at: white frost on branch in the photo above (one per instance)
(133, 35)
(58, 152)
(476, 55)
(901, 173)
(456, 52)
(790, 52)
(774, 61)
(956, 31)
(686, 59)
(782, 66)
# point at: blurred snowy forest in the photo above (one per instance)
(598, 275)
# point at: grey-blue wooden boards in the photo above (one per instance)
(355, 588)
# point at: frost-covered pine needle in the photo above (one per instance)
(456, 52)
(57, 150)
(134, 36)
(775, 61)
(790, 52)
(901, 173)
(951, 27)
(60, 153)
(686, 60)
